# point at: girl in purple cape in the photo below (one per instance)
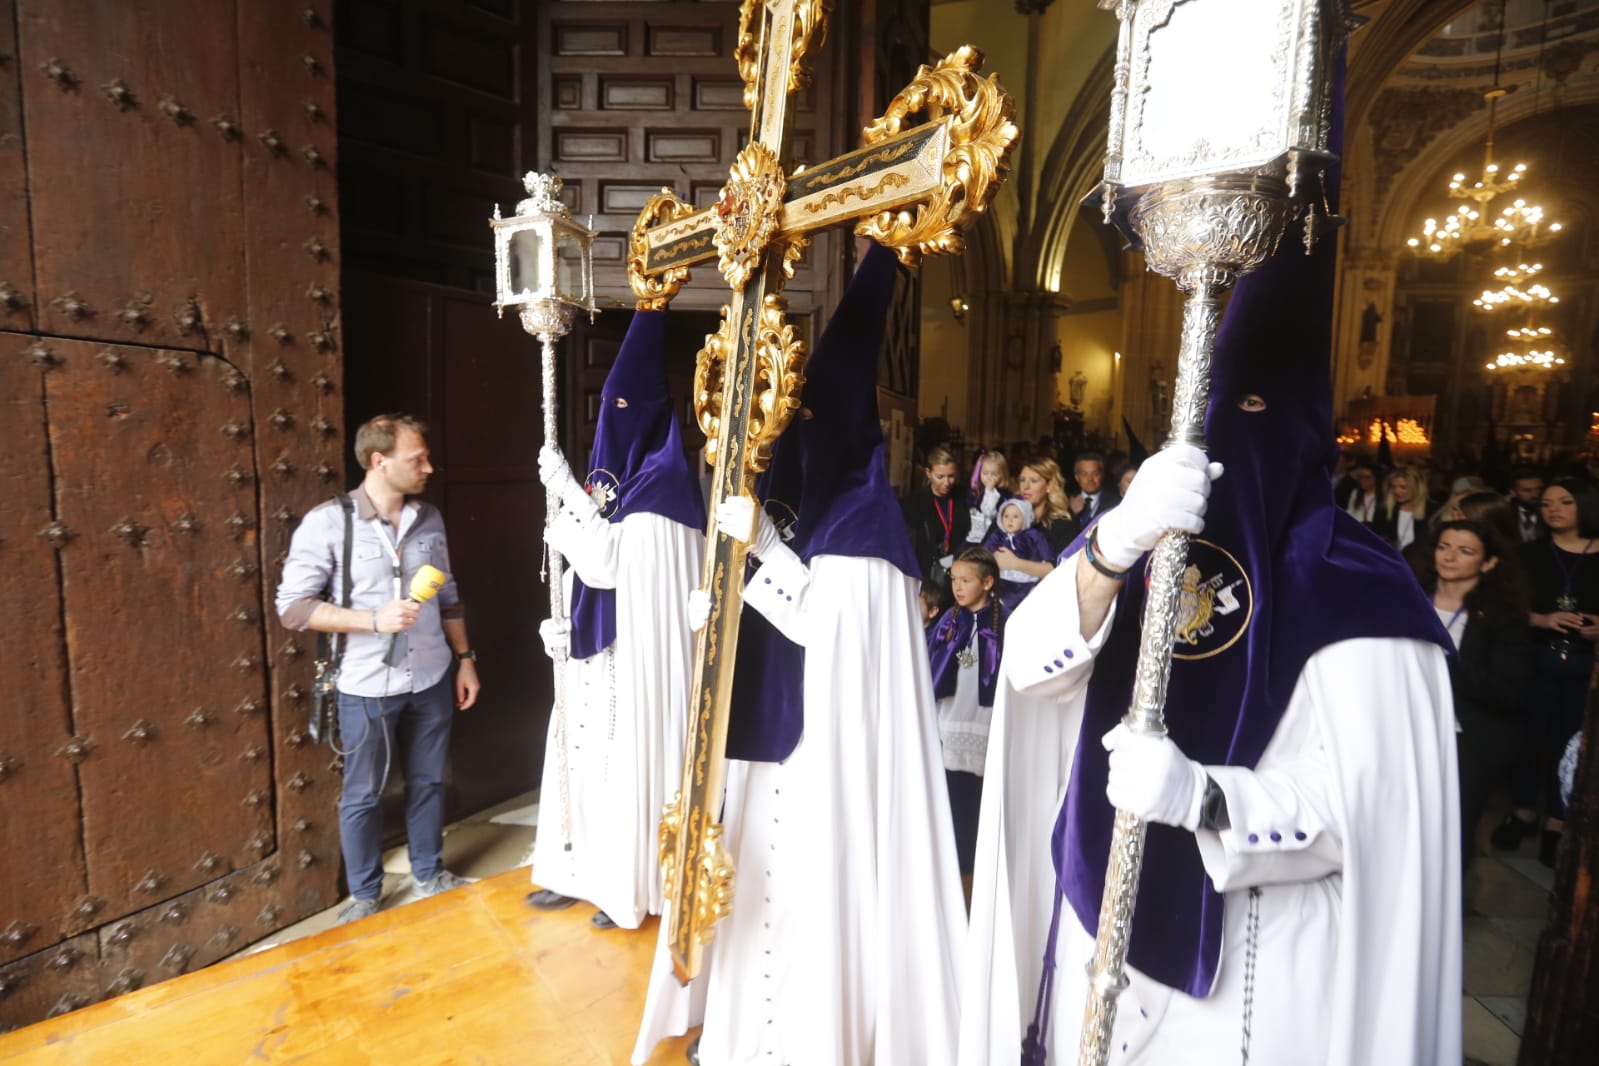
(963, 649)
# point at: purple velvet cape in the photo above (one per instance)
(827, 489)
(952, 633)
(1318, 577)
(638, 464)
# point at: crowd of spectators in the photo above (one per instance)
(1510, 562)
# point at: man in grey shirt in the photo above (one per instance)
(394, 683)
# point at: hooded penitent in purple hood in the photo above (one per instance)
(638, 465)
(1278, 574)
(827, 490)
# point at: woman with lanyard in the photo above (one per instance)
(1476, 589)
(1563, 594)
(938, 524)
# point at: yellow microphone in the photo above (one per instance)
(425, 585)
(426, 582)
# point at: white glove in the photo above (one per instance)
(1169, 493)
(737, 516)
(699, 609)
(556, 475)
(1152, 778)
(552, 631)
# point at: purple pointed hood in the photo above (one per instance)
(846, 504)
(638, 464)
(1278, 574)
(827, 490)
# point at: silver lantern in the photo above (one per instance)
(543, 260)
(1217, 140)
(544, 269)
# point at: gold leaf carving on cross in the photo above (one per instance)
(863, 192)
(666, 833)
(748, 213)
(913, 190)
(662, 212)
(714, 892)
(708, 372)
(809, 31)
(979, 117)
(779, 377)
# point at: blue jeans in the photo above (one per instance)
(369, 727)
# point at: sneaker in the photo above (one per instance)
(443, 881)
(357, 909)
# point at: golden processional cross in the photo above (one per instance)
(913, 189)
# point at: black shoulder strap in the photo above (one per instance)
(349, 540)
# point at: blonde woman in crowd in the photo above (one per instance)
(1404, 506)
(1040, 483)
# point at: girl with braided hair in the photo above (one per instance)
(963, 650)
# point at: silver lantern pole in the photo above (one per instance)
(1219, 107)
(543, 262)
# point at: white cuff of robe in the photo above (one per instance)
(1044, 648)
(778, 590)
(588, 543)
(1276, 836)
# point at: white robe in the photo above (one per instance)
(842, 946)
(1359, 952)
(626, 714)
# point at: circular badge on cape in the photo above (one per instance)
(1216, 604)
(604, 490)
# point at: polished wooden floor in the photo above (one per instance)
(473, 976)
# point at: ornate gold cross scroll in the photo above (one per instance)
(911, 189)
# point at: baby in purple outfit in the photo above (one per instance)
(1015, 531)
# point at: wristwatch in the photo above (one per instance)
(467, 654)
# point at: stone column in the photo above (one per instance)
(1011, 385)
(1363, 326)
(1152, 315)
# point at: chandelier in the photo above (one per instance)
(1475, 225)
(1532, 359)
(1531, 348)
(1515, 291)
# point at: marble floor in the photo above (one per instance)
(1506, 904)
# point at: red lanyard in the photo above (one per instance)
(945, 520)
